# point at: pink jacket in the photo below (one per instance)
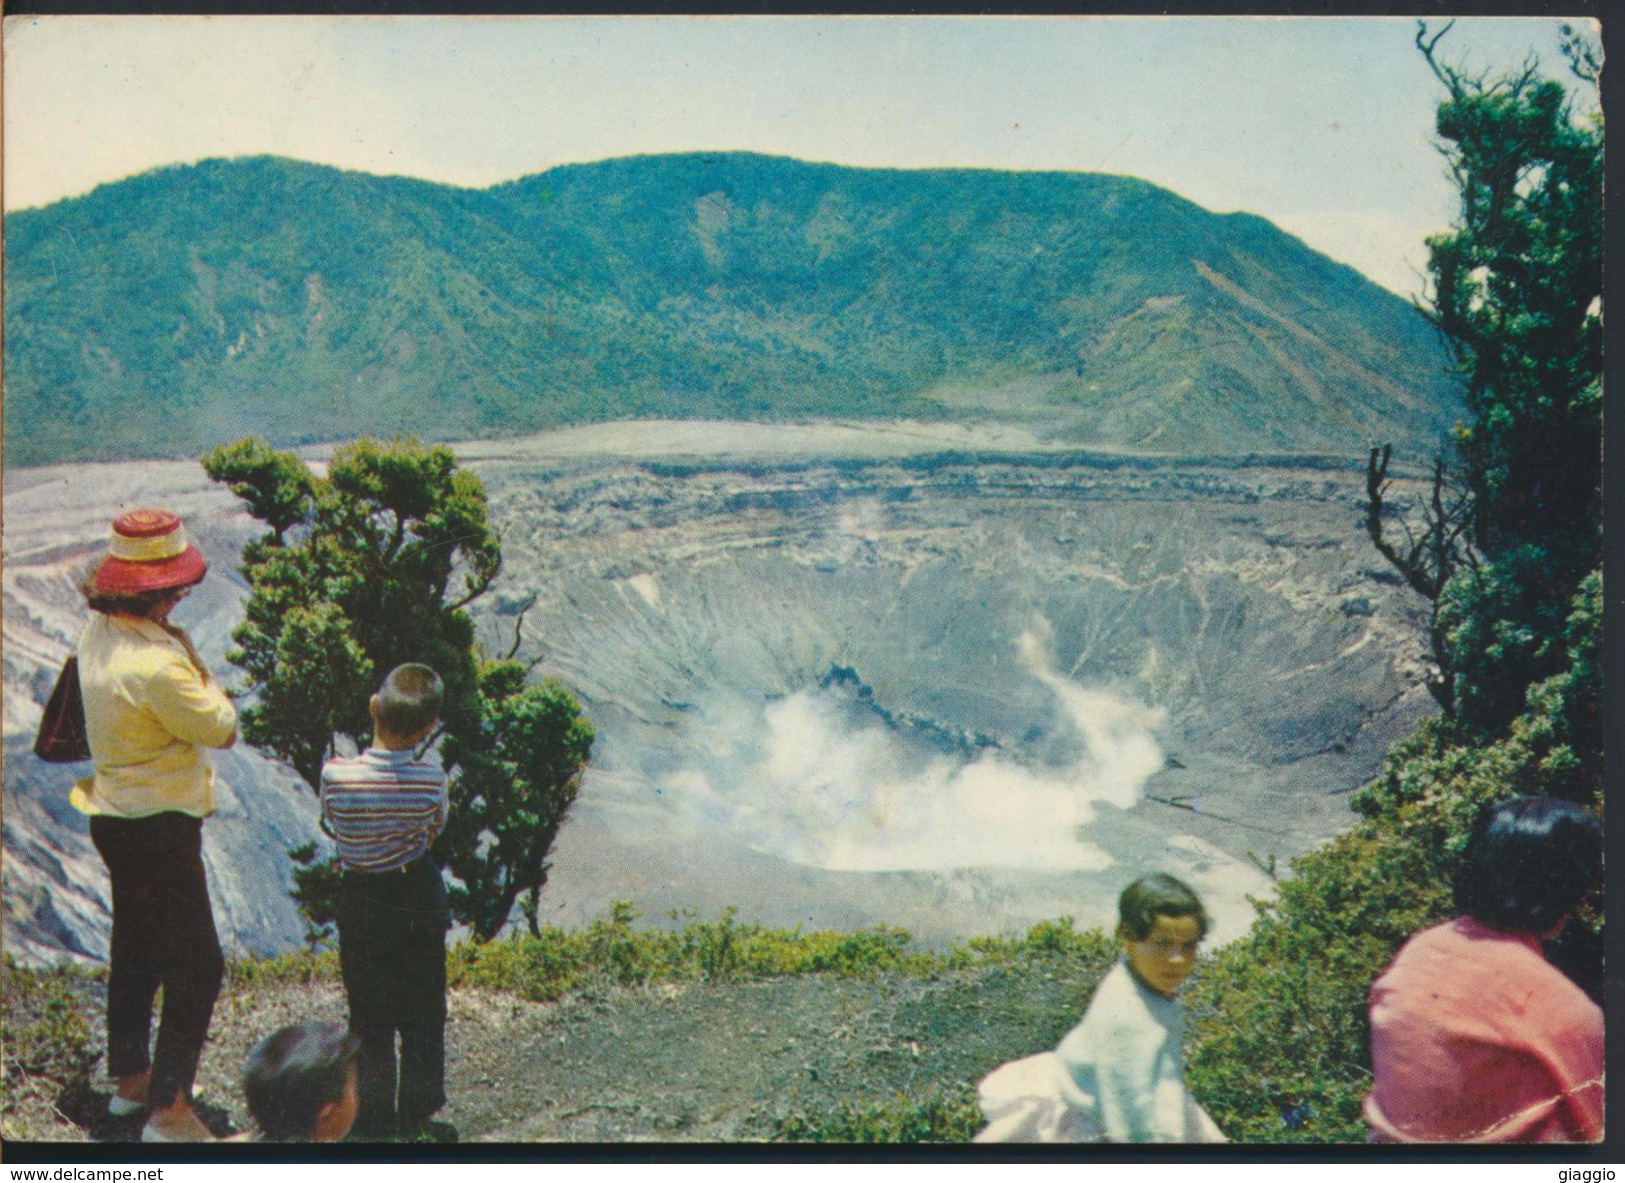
(1475, 1038)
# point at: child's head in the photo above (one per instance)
(1529, 862)
(301, 1083)
(1161, 921)
(408, 703)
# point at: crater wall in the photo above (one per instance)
(955, 692)
(840, 676)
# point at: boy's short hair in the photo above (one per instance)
(293, 1073)
(1529, 862)
(410, 698)
(1156, 895)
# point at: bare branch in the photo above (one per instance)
(518, 628)
(1512, 85)
(1408, 564)
(1582, 53)
(1429, 556)
(477, 587)
(1426, 44)
(397, 536)
(1428, 559)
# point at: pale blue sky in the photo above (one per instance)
(1322, 125)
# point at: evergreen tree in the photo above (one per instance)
(517, 775)
(1516, 293)
(371, 566)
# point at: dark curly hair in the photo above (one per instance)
(1529, 862)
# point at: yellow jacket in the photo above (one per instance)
(149, 715)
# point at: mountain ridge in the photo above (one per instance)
(161, 314)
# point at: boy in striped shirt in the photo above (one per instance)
(384, 808)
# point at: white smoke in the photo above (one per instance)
(812, 782)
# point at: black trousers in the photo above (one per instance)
(163, 935)
(392, 951)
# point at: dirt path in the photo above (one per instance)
(688, 1061)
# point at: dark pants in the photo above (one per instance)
(392, 950)
(163, 935)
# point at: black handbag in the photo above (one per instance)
(62, 738)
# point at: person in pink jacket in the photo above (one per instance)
(1474, 1036)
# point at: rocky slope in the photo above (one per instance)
(841, 674)
(55, 887)
(956, 692)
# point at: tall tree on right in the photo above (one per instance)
(1507, 547)
(1516, 287)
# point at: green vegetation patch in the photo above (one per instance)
(939, 1115)
(244, 975)
(48, 1048)
(609, 950)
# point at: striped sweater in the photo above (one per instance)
(382, 807)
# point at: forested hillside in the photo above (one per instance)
(187, 306)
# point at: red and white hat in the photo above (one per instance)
(149, 551)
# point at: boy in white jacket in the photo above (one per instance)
(1119, 1075)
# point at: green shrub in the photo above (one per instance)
(944, 1115)
(1046, 938)
(246, 974)
(627, 957)
(1280, 1048)
(610, 951)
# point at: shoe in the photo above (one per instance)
(151, 1133)
(118, 1106)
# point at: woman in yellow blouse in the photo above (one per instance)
(151, 709)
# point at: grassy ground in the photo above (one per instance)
(719, 1031)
